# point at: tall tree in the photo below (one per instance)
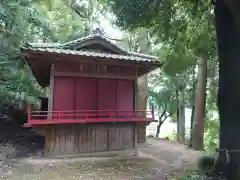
(197, 131)
(228, 97)
(181, 118)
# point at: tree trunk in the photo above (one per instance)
(141, 104)
(229, 88)
(181, 120)
(194, 81)
(178, 125)
(158, 128)
(191, 126)
(192, 116)
(200, 99)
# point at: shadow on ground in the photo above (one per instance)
(15, 143)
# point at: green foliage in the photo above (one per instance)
(137, 41)
(211, 135)
(185, 31)
(205, 169)
(171, 136)
(152, 14)
(30, 20)
(162, 94)
(16, 82)
(163, 100)
(194, 175)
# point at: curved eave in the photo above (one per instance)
(65, 52)
(40, 59)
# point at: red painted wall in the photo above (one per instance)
(85, 95)
(90, 94)
(63, 99)
(125, 95)
(107, 94)
(63, 94)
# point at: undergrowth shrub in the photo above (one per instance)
(205, 170)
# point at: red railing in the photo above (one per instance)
(84, 116)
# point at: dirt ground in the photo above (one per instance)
(156, 160)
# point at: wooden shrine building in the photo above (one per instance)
(92, 102)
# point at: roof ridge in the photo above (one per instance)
(89, 37)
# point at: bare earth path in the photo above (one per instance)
(173, 157)
(157, 158)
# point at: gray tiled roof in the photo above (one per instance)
(68, 48)
(92, 54)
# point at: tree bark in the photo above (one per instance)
(229, 88)
(162, 119)
(141, 104)
(192, 116)
(178, 127)
(158, 128)
(182, 117)
(200, 99)
(194, 82)
(191, 127)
